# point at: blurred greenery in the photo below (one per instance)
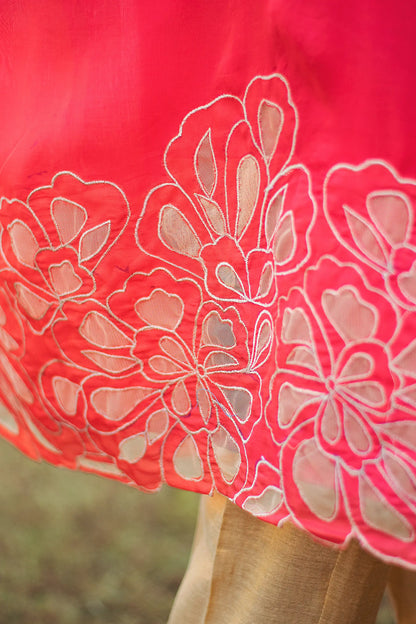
(78, 549)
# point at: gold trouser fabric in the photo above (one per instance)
(244, 571)
(402, 590)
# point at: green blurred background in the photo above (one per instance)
(78, 549)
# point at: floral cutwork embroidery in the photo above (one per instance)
(231, 217)
(257, 343)
(53, 259)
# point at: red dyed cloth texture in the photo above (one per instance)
(208, 252)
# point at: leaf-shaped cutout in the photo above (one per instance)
(64, 279)
(117, 403)
(356, 433)
(266, 503)
(174, 349)
(35, 306)
(304, 357)
(263, 338)
(380, 515)
(18, 385)
(204, 402)
(354, 318)
(219, 359)
(358, 366)
(66, 393)
(266, 281)
(366, 237)
(214, 214)
(93, 240)
(7, 341)
(315, 478)
(180, 399)
(164, 365)
(273, 214)
(270, 119)
(226, 453)
(69, 219)
(240, 400)
(160, 309)
(284, 246)
(295, 327)
(227, 275)
(187, 461)
(23, 242)
(176, 232)
(157, 425)
(205, 167)
(132, 449)
(101, 332)
(8, 421)
(370, 392)
(331, 422)
(217, 332)
(248, 188)
(291, 402)
(109, 363)
(391, 214)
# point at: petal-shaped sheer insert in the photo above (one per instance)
(314, 475)
(186, 460)
(69, 219)
(205, 166)
(270, 119)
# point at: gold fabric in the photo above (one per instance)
(244, 571)
(402, 590)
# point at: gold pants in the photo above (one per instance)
(244, 571)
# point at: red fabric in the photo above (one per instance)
(208, 256)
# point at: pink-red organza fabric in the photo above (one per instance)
(208, 252)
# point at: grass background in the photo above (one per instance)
(78, 549)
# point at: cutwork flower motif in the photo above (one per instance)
(264, 497)
(333, 404)
(126, 418)
(26, 422)
(371, 211)
(121, 419)
(337, 370)
(54, 242)
(198, 351)
(232, 213)
(187, 361)
(15, 392)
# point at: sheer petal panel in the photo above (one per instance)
(161, 309)
(187, 461)
(24, 243)
(177, 233)
(381, 515)
(391, 213)
(69, 219)
(93, 240)
(206, 169)
(314, 475)
(116, 403)
(270, 126)
(132, 449)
